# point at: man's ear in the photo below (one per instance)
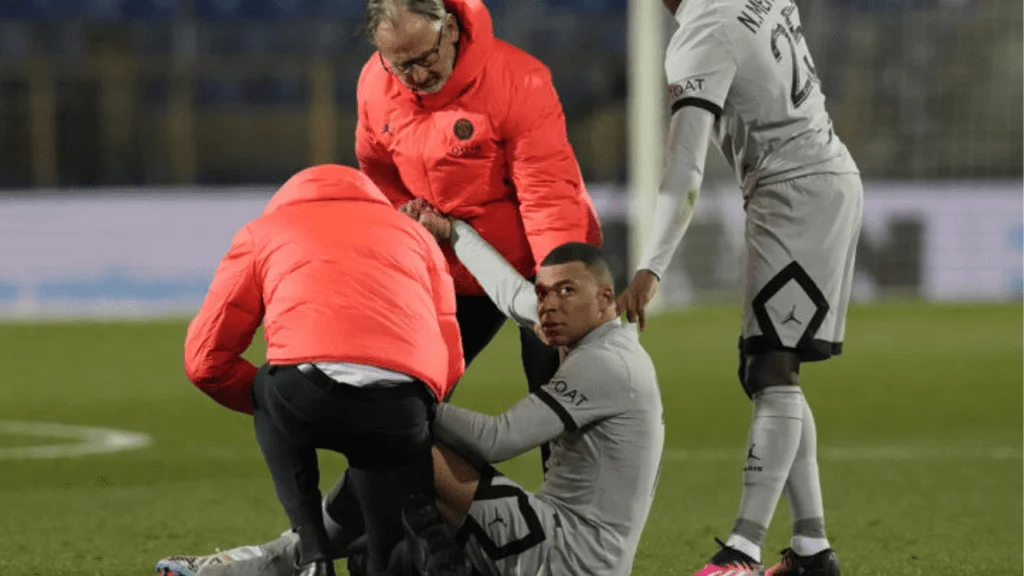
(451, 22)
(607, 293)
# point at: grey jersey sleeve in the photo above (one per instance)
(700, 65)
(685, 152)
(525, 426)
(589, 386)
(511, 293)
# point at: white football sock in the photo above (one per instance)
(771, 448)
(803, 492)
(804, 546)
(737, 542)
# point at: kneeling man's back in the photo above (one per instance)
(336, 275)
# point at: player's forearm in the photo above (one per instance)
(685, 153)
(492, 439)
(511, 293)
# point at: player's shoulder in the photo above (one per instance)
(594, 358)
(612, 350)
(615, 368)
(699, 18)
(707, 24)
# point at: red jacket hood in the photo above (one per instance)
(326, 182)
(476, 39)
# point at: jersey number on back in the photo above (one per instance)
(803, 81)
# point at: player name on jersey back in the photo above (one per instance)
(747, 62)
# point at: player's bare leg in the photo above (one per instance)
(455, 481)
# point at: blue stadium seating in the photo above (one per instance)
(96, 10)
(343, 8)
(282, 90)
(155, 91)
(49, 10)
(588, 6)
(32, 9)
(496, 7)
(151, 10)
(15, 41)
(278, 90)
(345, 80)
(214, 10)
(212, 92)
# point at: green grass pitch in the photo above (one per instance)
(919, 427)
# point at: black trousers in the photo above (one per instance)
(383, 432)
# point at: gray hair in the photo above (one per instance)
(378, 11)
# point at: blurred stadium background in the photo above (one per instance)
(183, 101)
(137, 135)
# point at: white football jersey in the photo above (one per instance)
(747, 62)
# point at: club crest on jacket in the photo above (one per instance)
(463, 129)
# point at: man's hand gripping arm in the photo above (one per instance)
(511, 293)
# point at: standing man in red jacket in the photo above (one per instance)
(453, 116)
(359, 316)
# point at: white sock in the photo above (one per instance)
(804, 546)
(803, 492)
(771, 447)
(737, 542)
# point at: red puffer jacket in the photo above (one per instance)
(489, 148)
(335, 274)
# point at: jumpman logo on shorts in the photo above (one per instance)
(498, 520)
(791, 317)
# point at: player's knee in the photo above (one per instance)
(762, 371)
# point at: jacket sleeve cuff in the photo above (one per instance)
(235, 391)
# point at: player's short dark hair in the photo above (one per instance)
(378, 11)
(589, 255)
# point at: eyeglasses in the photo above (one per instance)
(426, 60)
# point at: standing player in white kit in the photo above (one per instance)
(740, 75)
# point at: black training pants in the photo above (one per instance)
(382, 431)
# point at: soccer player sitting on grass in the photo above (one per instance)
(601, 412)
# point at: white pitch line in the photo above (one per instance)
(857, 453)
(88, 440)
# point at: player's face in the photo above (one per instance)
(571, 301)
(672, 5)
(413, 49)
